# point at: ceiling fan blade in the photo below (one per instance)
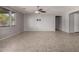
(43, 11)
(40, 9)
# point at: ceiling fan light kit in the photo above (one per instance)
(37, 12)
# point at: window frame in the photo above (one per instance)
(10, 19)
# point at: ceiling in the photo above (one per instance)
(56, 10)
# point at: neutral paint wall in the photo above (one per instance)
(47, 22)
(74, 22)
(67, 21)
(71, 23)
(13, 30)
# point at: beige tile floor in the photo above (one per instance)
(41, 42)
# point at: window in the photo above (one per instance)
(13, 18)
(7, 17)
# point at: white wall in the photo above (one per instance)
(71, 23)
(74, 22)
(67, 21)
(10, 31)
(47, 22)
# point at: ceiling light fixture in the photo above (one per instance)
(37, 12)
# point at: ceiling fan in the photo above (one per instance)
(39, 10)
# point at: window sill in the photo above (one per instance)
(8, 26)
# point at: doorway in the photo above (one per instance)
(58, 22)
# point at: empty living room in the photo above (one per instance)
(39, 28)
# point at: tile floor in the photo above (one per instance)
(41, 42)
